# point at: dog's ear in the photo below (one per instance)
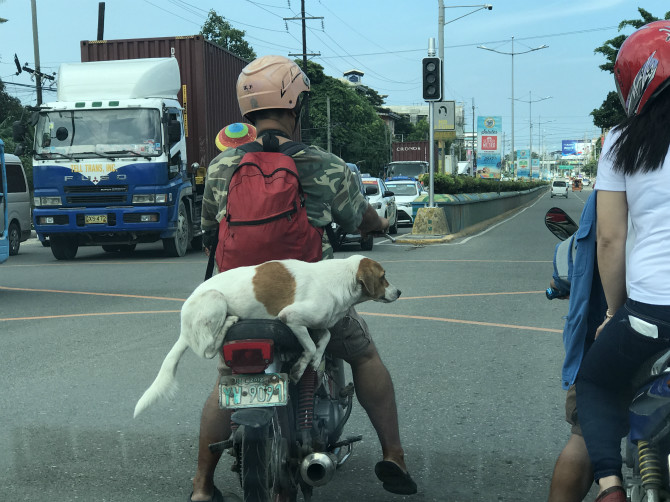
(368, 276)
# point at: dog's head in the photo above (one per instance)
(372, 278)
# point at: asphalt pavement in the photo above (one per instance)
(473, 346)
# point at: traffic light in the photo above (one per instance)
(432, 79)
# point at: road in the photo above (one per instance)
(474, 348)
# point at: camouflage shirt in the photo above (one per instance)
(331, 193)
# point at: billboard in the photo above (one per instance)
(575, 148)
(523, 164)
(489, 144)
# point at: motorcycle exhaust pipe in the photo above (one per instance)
(317, 469)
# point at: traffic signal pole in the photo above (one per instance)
(431, 69)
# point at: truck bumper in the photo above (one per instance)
(106, 224)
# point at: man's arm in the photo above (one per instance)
(372, 222)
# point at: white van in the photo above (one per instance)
(560, 188)
(18, 204)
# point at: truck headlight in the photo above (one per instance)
(46, 201)
(149, 198)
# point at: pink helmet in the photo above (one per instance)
(642, 66)
(270, 82)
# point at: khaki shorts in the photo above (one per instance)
(349, 338)
(571, 411)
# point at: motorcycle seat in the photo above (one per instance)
(272, 329)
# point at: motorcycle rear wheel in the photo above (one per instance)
(264, 472)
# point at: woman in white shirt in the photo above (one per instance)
(633, 178)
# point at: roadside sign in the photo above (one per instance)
(444, 115)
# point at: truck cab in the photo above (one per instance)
(109, 163)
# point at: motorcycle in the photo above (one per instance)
(286, 437)
(647, 445)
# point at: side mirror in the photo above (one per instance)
(388, 193)
(18, 131)
(174, 131)
(371, 190)
(559, 223)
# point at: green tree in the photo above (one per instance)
(358, 134)
(611, 112)
(216, 29)
(421, 131)
(11, 110)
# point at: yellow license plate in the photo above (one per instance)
(95, 218)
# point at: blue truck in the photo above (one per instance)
(120, 157)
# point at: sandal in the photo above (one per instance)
(394, 479)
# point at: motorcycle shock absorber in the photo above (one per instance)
(650, 467)
(306, 389)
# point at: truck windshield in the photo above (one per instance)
(411, 170)
(131, 131)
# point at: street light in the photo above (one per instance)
(530, 119)
(440, 30)
(512, 53)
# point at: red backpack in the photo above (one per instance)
(266, 218)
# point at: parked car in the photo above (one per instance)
(341, 237)
(383, 200)
(406, 190)
(559, 188)
(18, 204)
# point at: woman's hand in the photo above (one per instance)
(600, 328)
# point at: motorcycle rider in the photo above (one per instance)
(270, 91)
(572, 477)
(633, 181)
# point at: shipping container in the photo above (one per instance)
(208, 77)
(412, 150)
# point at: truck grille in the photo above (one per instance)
(96, 199)
(98, 194)
(96, 189)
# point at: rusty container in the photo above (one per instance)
(208, 77)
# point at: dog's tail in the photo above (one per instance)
(165, 384)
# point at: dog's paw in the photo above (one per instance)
(232, 319)
(297, 371)
(316, 362)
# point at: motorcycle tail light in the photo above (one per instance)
(248, 356)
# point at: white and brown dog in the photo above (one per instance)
(302, 295)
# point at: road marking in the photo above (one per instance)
(462, 321)
(424, 318)
(95, 294)
(90, 314)
(458, 295)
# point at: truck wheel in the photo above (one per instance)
(366, 244)
(14, 238)
(176, 246)
(63, 247)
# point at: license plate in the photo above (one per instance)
(253, 391)
(95, 218)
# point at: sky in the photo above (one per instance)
(386, 39)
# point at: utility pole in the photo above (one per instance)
(305, 116)
(328, 116)
(36, 48)
(474, 141)
(101, 20)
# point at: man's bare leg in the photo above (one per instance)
(374, 389)
(573, 476)
(214, 427)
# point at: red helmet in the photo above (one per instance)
(642, 67)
